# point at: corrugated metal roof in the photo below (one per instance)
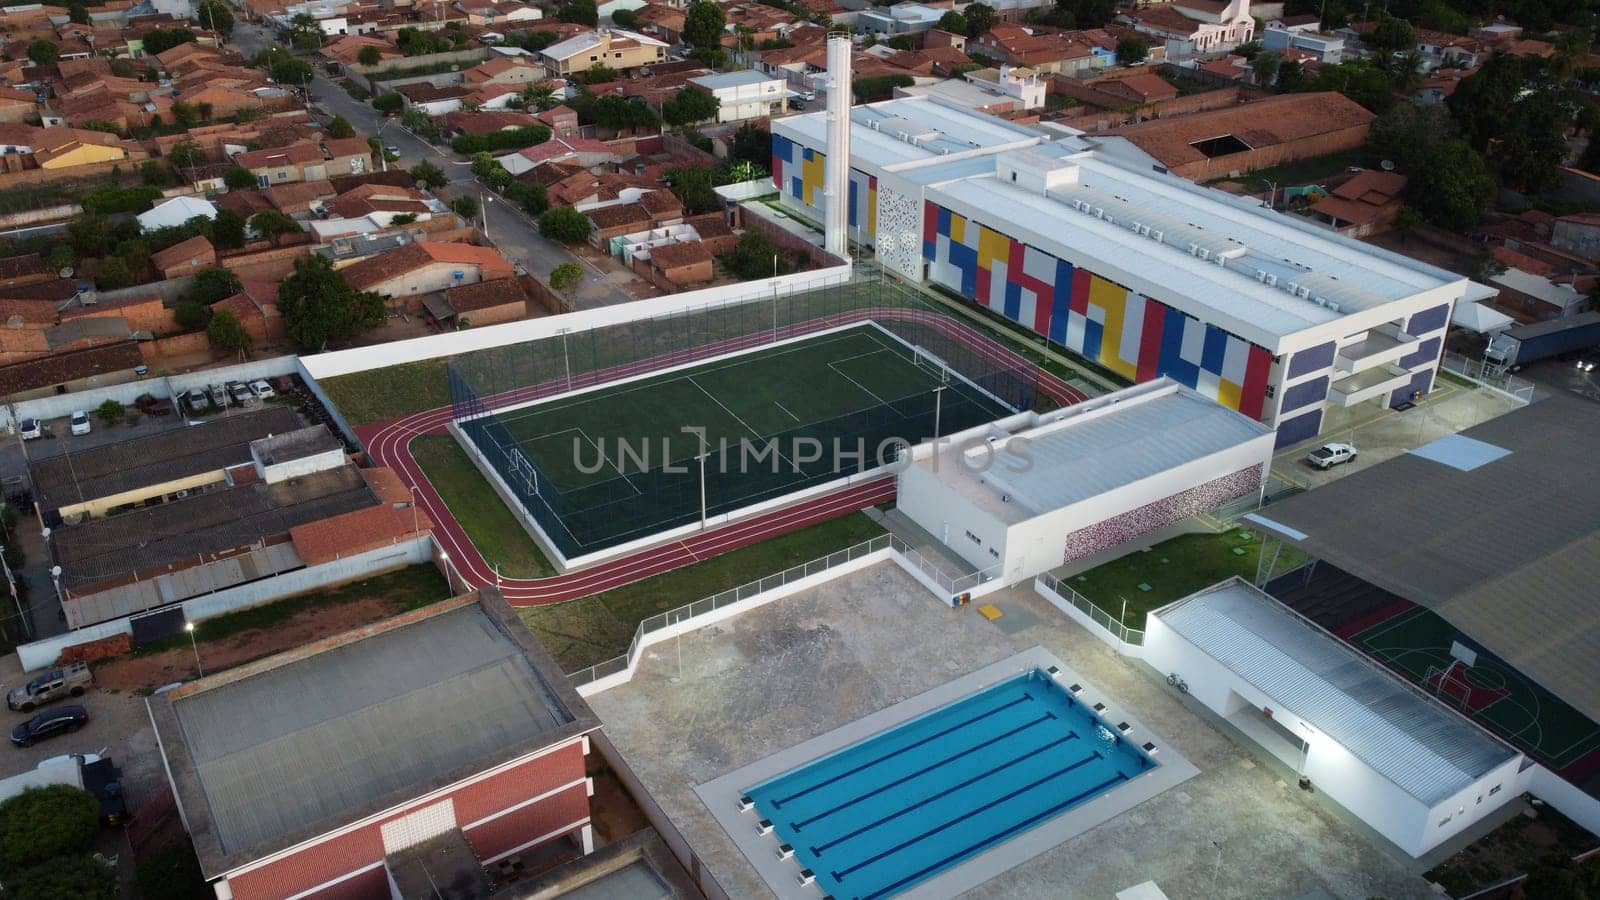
(1409, 739)
(1130, 440)
(315, 737)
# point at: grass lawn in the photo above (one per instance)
(482, 514)
(1459, 381)
(410, 588)
(380, 394)
(596, 628)
(1173, 569)
(1306, 171)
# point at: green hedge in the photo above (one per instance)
(510, 139)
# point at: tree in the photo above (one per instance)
(239, 178)
(429, 175)
(163, 39)
(703, 24)
(980, 18)
(305, 32)
(1132, 50)
(1391, 35)
(291, 71)
(953, 22)
(599, 73)
(227, 230)
(1532, 143)
(215, 15)
(43, 52)
(211, 285)
(190, 315)
(1482, 101)
(109, 413)
(538, 97)
(1360, 80)
(1406, 220)
(580, 12)
(625, 18)
(1265, 66)
(1291, 76)
(227, 334)
(320, 308)
(465, 206)
(78, 13)
(78, 877)
(564, 224)
(752, 144)
(186, 154)
(1405, 71)
(340, 127)
(154, 174)
(41, 823)
(270, 223)
(388, 104)
(483, 164)
(695, 188)
(370, 55)
(1451, 187)
(755, 256)
(689, 106)
(565, 277)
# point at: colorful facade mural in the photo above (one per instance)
(1094, 317)
(797, 171)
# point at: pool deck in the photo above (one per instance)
(799, 668)
(722, 795)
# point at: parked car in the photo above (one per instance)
(219, 397)
(80, 423)
(102, 779)
(197, 400)
(391, 149)
(61, 720)
(30, 429)
(1329, 455)
(48, 687)
(239, 393)
(261, 389)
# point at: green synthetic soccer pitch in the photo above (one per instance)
(615, 463)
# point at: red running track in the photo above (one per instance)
(389, 444)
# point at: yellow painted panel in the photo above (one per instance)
(992, 246)
(872, 212)
(958, 229)
(990, 611)
(811, 175)
(1228, 393)
(1114, 300)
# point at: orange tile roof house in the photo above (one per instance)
(185, 257)
(487, 302)
(276, 165)
(1363, 205)
(505, 70)
(425, 267)
(298, 199)
(1253, 135)
(672, 267)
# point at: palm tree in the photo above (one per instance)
(1405, 71)
(538, 96)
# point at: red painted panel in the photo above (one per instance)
(777, 171)
(1155, 318)
(1253, 393)
(930, 220)
(317, 864)
(1080, 291)
(508, 788)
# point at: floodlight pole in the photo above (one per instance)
(702, 457)
(938, 409)
(566, 361)
(189, 627)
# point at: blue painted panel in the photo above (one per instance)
(1460, 452)
(1427, 351)
(1013, 302)
(1171, 361)
(1421, 383)
(794, 188)
(1304, 394)
(1216, 346)
(1092, 333)
(1311, 359)
(1428, 320)
(1061, 302)
(1299, 428)
(966, 259)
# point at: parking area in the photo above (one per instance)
(740, 690)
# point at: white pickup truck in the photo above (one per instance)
(48, 687)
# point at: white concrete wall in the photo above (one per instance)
(1562, 794)
(299, 468)
(927, 500)
(166, 387)
(40, 654)
(361, 359)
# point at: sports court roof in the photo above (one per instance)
(1399, 732)
(1504, 545)
(303, 742)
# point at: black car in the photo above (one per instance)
(102, 779)
(60, 720)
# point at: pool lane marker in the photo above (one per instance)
(953, 758)
(778, 803)
(1024, 825)
(838, 874)
(816, 849)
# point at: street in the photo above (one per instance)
(511, 229)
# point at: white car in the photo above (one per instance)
(1329, 455)
(80, 423)
(30, 429)
(262, 389)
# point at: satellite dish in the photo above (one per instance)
(66, 272)
(1387, 165)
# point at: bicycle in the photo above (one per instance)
(1179, 683)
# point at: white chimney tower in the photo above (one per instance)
(836, 172)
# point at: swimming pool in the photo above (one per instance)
(885, 813)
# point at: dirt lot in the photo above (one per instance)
(150, 671)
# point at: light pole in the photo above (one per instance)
(450, 582)
(486, 200)
(189, 627)
(566, 361)
(938, 409)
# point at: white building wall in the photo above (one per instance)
(972, 533)
(299, 468)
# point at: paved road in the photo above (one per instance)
(508, 226)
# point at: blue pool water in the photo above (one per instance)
(897, 808)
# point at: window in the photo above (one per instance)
(1494, 790)
(1445, 821)
(619, 56)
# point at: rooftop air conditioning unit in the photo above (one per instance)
(1321, 301)
(1261, 276)
(1332, 306)
(1156, 235)
(1304, 292)
(1272, 280)
(1204, 254)
(1221, 260)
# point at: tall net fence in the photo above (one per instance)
(970, 380)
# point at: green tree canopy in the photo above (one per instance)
(1361, 80)
(755, 256)
(186, 153)
(465, 206)
(239, 178)
(580, 12)
(695, 188)
(63, 878)
(227, 335)
(389, 103)
(370, 55)
(1392, 34)
(1532, 144)
(340, 127)
(41, 823)
(215, 15)
(689, 106)
(703, 24)
(320, 308)
(980, 18)
(564, 224)
(211, 285)
(164, 39)
(1482, 101)
(271, 223)
(227, 230)
(565, 277)
(43, 52)
(953, 22)
(1132, 50)
(429, 175)
(1452, 186)
(752, 144)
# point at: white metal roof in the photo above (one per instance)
(1117, 440)
(581, 42)
(1403, 735)
(732, 79)
(176, 211)
(908, 130)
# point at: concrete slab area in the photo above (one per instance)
(803, 666)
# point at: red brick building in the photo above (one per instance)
(316, 773)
